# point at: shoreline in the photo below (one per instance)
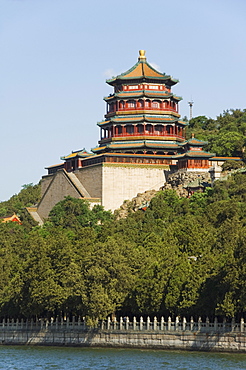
(108, 347)
(185, 341)
(226, 337)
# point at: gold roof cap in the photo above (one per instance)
(142, 56)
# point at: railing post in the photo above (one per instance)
(127, 323)
(73, 320)
(242, 325)
(184, 323)
(67, 322)
(114, 323)
(3, 323)
(41, 323)
(169, 323)
(162, 323)
(177, 323)
(22, 323)
(102, 324)
(121, 323)
(224, 324)
(215, 324)
(232, 324)
(199, 323)
(191, 323)
(108, 323)
(155, 323)
(141, 323)
(207, 324)
(134, 323)
(84, 323)
(148, 323)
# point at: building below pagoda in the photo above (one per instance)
(142, 139)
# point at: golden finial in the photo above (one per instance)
(141, 55)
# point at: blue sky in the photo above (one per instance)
(57, 54)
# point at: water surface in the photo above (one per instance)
(51, 358)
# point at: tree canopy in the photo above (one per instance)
(225, 134)
(182, 256)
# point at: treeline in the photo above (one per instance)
(225, 134)
(28, 196)
(182, 256)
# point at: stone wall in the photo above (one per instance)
(91, 179)
(57, 189)
(229, 337)
(45, 182)
(123, 181)
(113, 184)
(54, 188)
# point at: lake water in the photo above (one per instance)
(51, 358)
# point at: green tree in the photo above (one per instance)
(227, 144)
(108, 278)
(232, 165)
(75, 213)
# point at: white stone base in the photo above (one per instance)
(124, 181)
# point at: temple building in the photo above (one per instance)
(141, 139)
(13, 218)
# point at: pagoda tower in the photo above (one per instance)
(142, 139)
(142, 115)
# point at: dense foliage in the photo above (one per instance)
(182, 256)
(28, 196)
(225, 135)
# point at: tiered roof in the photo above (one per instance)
(77, 154)
(143, 93)
(142, 71)
(195, 154)
(138, 144)
(142, 118)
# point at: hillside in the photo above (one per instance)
(225, 134)
(164, 253)
(182, 256)
(29, 195)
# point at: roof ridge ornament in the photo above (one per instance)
(142, 57)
